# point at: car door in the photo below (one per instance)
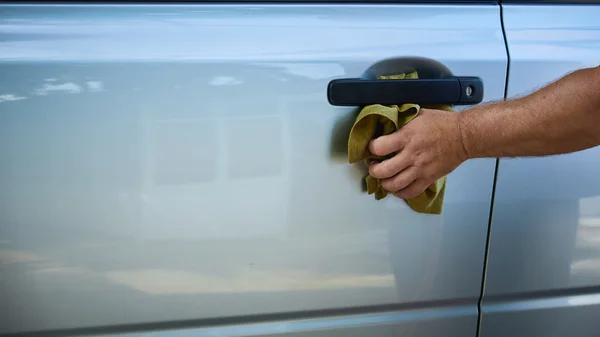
(179, 166)
(543, 271)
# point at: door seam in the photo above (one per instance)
(492, 200)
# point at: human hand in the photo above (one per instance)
(427, 148)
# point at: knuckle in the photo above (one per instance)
(430, 175)
(396, 183)
(408, 193)
(417, 156)
(388, 184)
(386, 169)
(413, 192)
(393, 185)
(374, 170)
(401, 195)
(421, 158)
(407, 133)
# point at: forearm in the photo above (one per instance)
(560, 118)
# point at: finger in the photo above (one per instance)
(401, 180)
(384, 145)
(415, 188)
(390, 167)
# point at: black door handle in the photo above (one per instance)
(450, 90)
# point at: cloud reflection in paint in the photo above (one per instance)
(10, 98)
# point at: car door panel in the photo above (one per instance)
(181, 163)
(542, 271)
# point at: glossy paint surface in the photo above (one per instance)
(173, 163)
(543, 275)
(455, 321)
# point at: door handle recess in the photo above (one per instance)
(450, 90)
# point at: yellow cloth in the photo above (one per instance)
(378, 120)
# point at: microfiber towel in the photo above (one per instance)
(377, 120)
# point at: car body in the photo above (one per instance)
(177, 170)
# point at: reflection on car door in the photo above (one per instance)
(543, 273)
(173, 166)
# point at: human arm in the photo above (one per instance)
(562, 117)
